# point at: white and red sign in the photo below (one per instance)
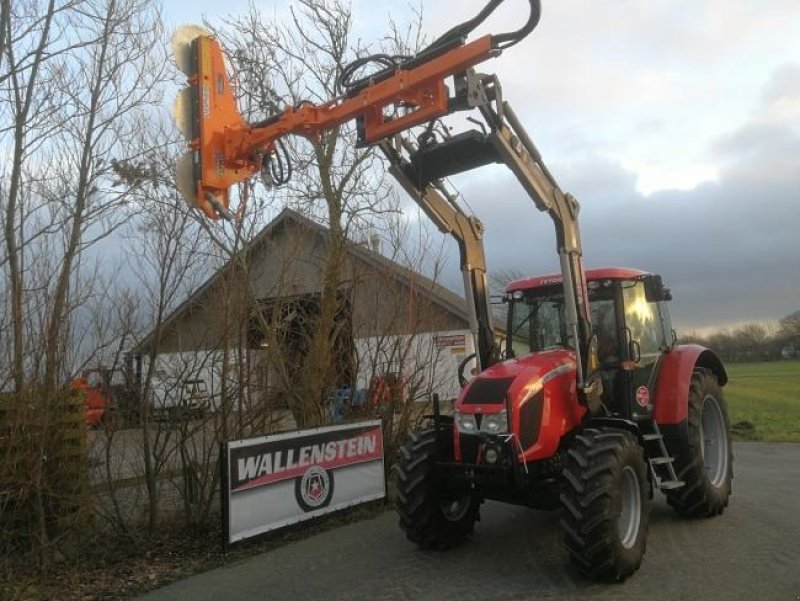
(450, 340)
(642, 396)
(281, 479)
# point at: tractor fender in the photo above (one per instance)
(674, 378)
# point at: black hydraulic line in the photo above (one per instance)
(502, 40)
(462, 30)
(347, 82)
(421, 57)
(506, 40)
(452, 38)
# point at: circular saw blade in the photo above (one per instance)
(181, 42)
(182, 114)
(185, 179)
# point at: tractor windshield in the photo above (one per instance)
(535, 322)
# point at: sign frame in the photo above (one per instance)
(257, 473)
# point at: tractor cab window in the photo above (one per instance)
(535, 322)
(604, 327)
(642, 319)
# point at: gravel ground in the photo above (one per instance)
(751, 552)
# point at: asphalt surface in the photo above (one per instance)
(752, 551)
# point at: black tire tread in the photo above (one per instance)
(588, 523)
(698, 498)
(415, 497)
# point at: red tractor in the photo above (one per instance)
(589, 406)
(521, 433)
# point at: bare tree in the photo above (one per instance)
(166, 265)
(76, 79)
(302, 61)
(790, 329)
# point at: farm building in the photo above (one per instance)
(392, 323)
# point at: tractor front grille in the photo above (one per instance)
(487, 391)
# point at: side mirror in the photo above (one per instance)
(654, 288)
(634, 351)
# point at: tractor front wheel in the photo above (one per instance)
(429, 517)
(705, 464)
(606, 503)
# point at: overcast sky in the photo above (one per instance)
(675, 123)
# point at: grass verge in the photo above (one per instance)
(764, 400)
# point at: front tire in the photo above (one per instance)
(429, 518)
(705, 464)
(606, 503)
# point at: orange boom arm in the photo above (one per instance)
(227, 150)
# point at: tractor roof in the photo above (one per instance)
(604, 273)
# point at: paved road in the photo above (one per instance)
(751, 552)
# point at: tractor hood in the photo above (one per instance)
(537, 395)
(515, 379)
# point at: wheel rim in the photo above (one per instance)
(715, 441)
(630, 515)
(455, 509)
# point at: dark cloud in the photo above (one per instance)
(729, 249)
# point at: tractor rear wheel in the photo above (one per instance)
(705, 464)
(606, 503)
(429, 518)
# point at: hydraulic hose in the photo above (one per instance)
(452, 38)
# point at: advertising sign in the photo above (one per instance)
(282, 479)
(452, 340)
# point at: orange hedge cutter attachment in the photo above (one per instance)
(225, 149)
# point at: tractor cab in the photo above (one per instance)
(629, 319)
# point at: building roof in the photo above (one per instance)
(438, 294)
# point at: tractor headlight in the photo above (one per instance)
(465, 422)
(495, 423)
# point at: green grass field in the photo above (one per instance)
(764, 400)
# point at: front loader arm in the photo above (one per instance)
(519, 153)
(443, 210)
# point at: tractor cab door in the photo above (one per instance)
(631, 336)
(644, 340)
(607, 326)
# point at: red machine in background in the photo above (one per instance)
(111, 400)
(95, 385)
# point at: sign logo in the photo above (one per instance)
(314, 489)
(642, 396)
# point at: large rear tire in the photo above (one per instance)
(606, 503)
(705, 464)
(429, 518)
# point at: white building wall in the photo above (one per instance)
(173, 370)
(428, 361)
